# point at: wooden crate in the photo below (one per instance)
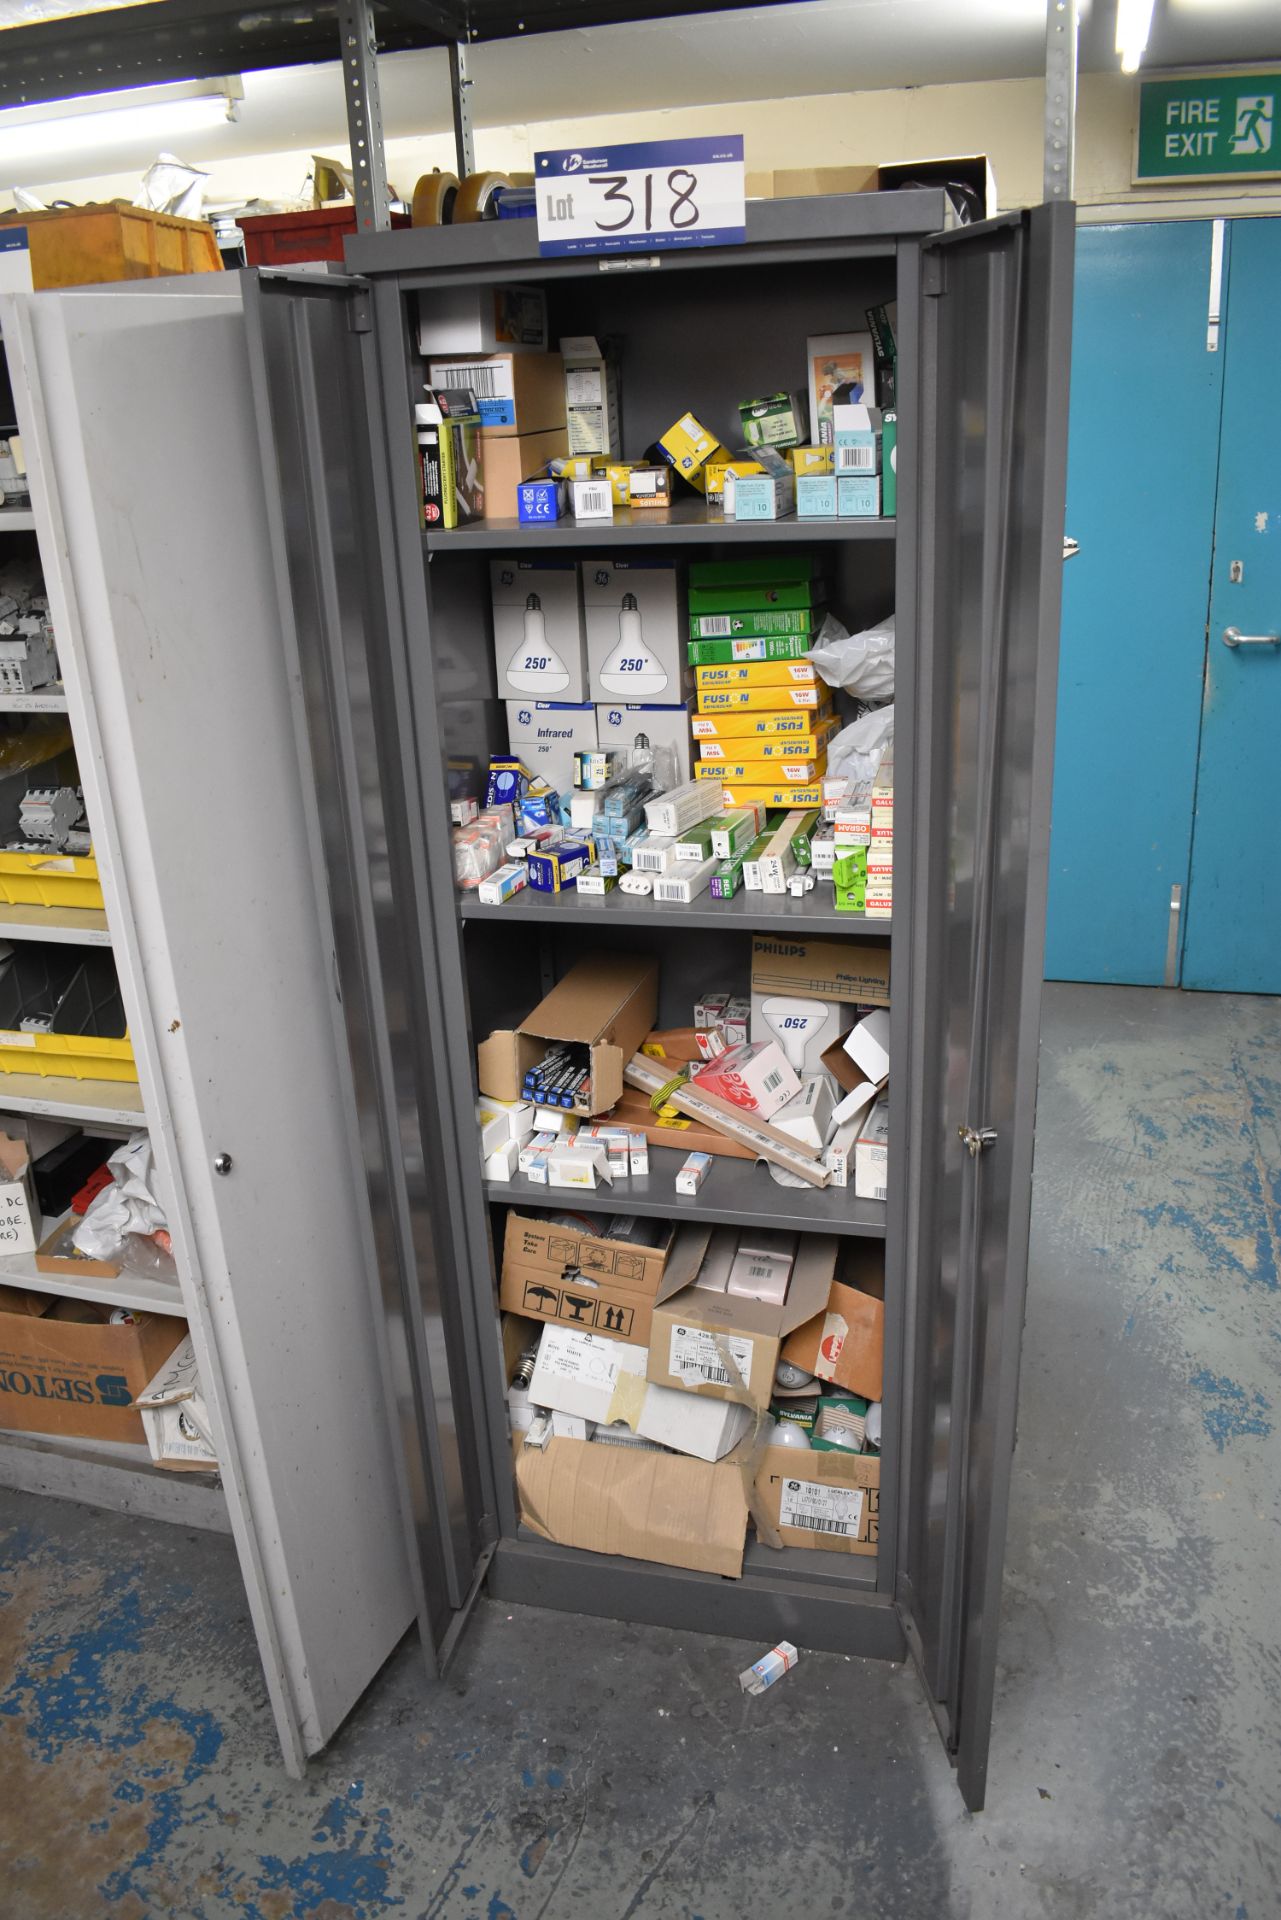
(83, 246)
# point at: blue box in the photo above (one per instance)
(763, 496)
(557, 870)
(858, 496)
(538, 502)
(816, 496)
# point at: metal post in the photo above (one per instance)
(364, 115)
(1060, 97)
(460, 89)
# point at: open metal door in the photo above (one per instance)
(352, 607)
(987, 500)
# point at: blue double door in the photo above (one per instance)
(1165, 855)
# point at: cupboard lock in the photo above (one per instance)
(974, 1139)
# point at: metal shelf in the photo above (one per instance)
(47, 700)
(753, 912)
(685, 523)
(116, 1474)
(733, 1193)
(108, 1102)
(76, 926)
(17, 520)
(125, 1290)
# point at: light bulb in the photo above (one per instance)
(536, 667)
(792, 1022)
(631, 669)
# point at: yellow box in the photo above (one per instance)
(49, 880)
(805, 744)
(749, 796)
(764, 699)
(803, 732)
(758, 673)
(686, 445)
(618, 473)
(717, 467)
(800, 770)
(810, 459)
(75, 1056)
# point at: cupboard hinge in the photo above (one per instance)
(359, 317)
(975, 1139)
(933, 277)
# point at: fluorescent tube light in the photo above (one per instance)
(27, 135)
(1133, 25)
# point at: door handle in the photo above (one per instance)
(1233, 637)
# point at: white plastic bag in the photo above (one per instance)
(127, 1206)
(860, 663)
(857, 751)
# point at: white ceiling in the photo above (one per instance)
(816, 46)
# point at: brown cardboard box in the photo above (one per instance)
(583, 1280)
(506, 460)
(536, 382)
(664, 1507)
(855, 971)
(77, 1376)
(844, 1344)
(819, 1488)
(745, 1335)
(680, 1133)
(606, 1002)
(19, 1208)
(973, 169)
(790, 183)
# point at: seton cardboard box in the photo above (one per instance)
(826, 1500)
(844, 1344)
(725, 1347)
(663, 1507)
(856, 971)
(65, 1369)
(607, 1003)
(586, 1280)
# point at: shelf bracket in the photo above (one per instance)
(460, 90)
(1061, 22)
(364, 116)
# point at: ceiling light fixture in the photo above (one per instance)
(94, 122)
(1133, 25)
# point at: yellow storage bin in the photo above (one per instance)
(49, 880)
(79, 993)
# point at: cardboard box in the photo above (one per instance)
(540, 638)
(716, 471)
(507, 459)
(585, 1280)
(517, 393)
(630, 725)
(871, 1158)
(175, 1415)
(687, 446)
(64, 1369)
(806, 730)
(726, 1348)
(856, 971)
(606, 1002)
(842, 371)
(973, 170)
(676, 1130)
(593, 1377)
(635, 614)
(795, 183)
(660, 1507)
(776, 420)
(755, 1078)
(774, 700)
(868, 1045)
(858, 496)
(482, 320)
(649, 488)
(831, 1501)
(541, 501)
(758, 673)
(816, 496)
(591, 396)
(20, 1219)
(546, 734)
(762, 496)
(844, 1342)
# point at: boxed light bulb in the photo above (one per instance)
(547, 734)
(540, 644)
(638, 728)
(635, 617)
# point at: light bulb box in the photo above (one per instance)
(540, 645)
(636, 618)
(546, 734)
(633, 725)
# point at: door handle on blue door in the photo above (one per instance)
(1233, 637)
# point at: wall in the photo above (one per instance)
(1002, 118)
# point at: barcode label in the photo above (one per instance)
(714, 626)
(856, 459)
(771, 1081)
(816, 1508)
(591, 498)
(486, 383)
(696, 1354)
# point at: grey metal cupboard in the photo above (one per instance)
(387, 628)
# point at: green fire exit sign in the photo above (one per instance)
(1215, 126)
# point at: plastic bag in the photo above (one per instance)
(857, 751)
(860, 663)
(127, 1206)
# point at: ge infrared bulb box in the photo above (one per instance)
(540, 643)
(633, 727)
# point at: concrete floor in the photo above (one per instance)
(589, 1771)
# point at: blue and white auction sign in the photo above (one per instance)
(627, 199)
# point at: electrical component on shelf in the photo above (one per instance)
(48, 814)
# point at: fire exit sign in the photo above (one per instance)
(1214, 126)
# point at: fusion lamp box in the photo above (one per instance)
(636, 615)
(844, 1343)
(857, 971)
(64, 1369)
(607, 1003)
(827, 1500)
(517, 393)
(725, 1347)
(540, 641)
(590, 1281)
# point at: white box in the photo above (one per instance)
(868, 1045)
(871, 1153)
(683, 806)
(591, 396)
(804, 1028)
(692, 1172)
(503, 1162)
(756, 1078)
(571, 1164)
(502, 883)
(808, 1114)
(503, 1120)
(20, 1221)
(531, 1149)
(686, 882)
(838, 1155)
(762, 1267)
(591, 499)
(546, 734)
(585, 1375)
(655, 853)
(540, 641)
(839, 364)
(461, 321)
(636, 619)
(713, 1275)
(634, 726)
(175, 1417)
(637, 1153)
(762, 496)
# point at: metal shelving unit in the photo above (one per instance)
(812, 914)
(73, 926)
(686, 523)
(143, 1293)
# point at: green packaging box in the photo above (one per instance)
(782, 596)
(802, 837)
(889, 466)
(768, 571)
(733, 649)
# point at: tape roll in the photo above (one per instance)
(434, 200)
(475, 194)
